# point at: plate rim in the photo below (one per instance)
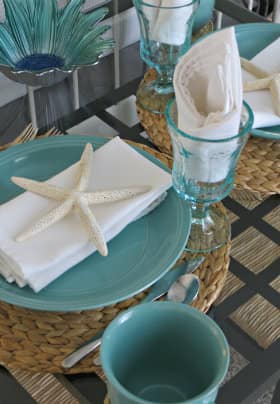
(79, 140)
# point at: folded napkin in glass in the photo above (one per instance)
(261, 101)
(208, 90)
(40, 260)
(166, 20)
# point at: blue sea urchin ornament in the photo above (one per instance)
(40, 43)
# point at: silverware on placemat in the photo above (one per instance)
(30, 133)
(180, 288)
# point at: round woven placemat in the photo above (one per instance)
(107, 400)
(259, 165)
(39, 340)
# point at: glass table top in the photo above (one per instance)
(107, 108)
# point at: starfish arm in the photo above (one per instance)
(47, 220)
(253, 69)
(41, 188)
(275, 93)
(255, 85)
(94, 230)
(106, 196)
(84, 168)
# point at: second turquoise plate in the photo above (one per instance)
(138, 256)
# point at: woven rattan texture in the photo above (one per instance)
(259, 166)
(38, 341)
(246, 210)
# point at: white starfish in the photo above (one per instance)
(264, 81)
(76, 198)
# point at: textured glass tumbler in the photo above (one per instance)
(203, 173)
(166, 33)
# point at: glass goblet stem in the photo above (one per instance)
(210, 227)
(199, 211)
(164, 81)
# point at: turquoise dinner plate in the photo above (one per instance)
(138, 256)
(252, 38)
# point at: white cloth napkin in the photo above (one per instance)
(208, 90)
(261, 101)
(46, 256)
(168, 25)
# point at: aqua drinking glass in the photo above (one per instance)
(164, 352)
(166, 33)
(203, 173)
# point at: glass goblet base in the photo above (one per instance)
(154, 96)
(210, 229)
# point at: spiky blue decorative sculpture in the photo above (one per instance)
(39, 42)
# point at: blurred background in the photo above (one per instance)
(54, 103)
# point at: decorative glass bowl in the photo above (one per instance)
(41, 43)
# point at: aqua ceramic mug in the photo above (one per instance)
(203, 14)
(164, 352)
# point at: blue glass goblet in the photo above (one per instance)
(166, 33)
(203, 173)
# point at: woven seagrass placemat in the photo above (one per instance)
(39, 341)
(253, 251)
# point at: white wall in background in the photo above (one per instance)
(127, 28)
(10, 91)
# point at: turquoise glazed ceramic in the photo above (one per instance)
(203, 14)
(141, 254)
(40, 41)
(164, 353)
